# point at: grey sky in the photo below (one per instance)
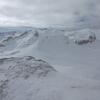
(48, 12)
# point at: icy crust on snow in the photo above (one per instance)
(26, 78)
(25, 67)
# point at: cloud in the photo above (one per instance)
(48, 12)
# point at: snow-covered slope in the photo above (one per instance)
(73, 54)
(31, 79)
(81, 47)
(15, 72)
(18, 41)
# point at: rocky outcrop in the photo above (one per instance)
(90, 39)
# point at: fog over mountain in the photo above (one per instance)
(49, 49)
(49, 13)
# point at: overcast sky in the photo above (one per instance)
(48, 12)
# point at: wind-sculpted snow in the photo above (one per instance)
(75, 72)
(29, 37)
(15, 68)
(26, 78)
(25, 67)
(18, 41)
